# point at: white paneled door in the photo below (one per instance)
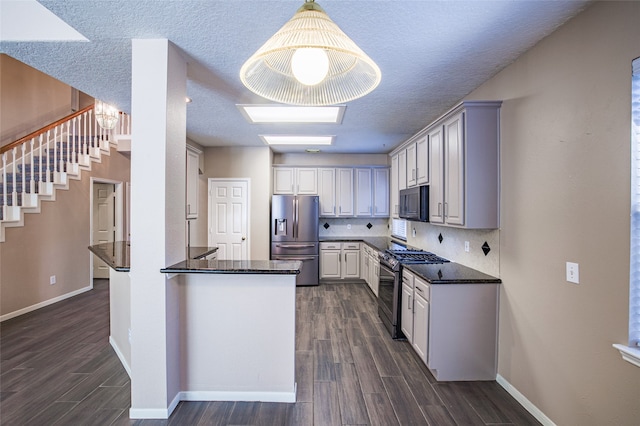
(104, 226)
(228, 218)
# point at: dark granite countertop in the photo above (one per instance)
(117, 254)
(451, 273)
(215, 266)
(379, 243)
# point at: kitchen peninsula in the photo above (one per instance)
(236, 326)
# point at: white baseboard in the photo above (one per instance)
(528, 405)
(43, 304)
(149, 413)
(238, 396)
(115, 347)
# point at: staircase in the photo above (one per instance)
(34, 167)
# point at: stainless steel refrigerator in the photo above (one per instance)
(294, 233)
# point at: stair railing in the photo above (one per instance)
(70, 142)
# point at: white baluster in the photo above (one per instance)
(32, 180)
(14, 193)
(48, 159)
(55, 149)
(84, 135)
(24, 183)
(4, 184)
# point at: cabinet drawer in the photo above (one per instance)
(407, 278)
(329, 246)
(422, 288)
(351, 246)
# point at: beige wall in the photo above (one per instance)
(54, 242)
(331, 159)
(565, 197)
(36, 99)
(239, 162)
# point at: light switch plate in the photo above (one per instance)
(573, 273)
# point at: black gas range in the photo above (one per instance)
(390, 287)
(394, 258)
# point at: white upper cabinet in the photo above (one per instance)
(327, 191)
(344, 192)
(283, 180)
(411, 165)
(193, 167)
(436, 188)
(307, 181)
(402, 170)
(393, 187)
(422, 161)
(465, 167)
(295, 180)
(364, 193)
(380, 192)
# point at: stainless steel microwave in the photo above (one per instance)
(414, 203)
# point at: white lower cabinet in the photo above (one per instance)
(339, 260)
(420, 318)
(369, 267)
(406, 309)
(452, 327)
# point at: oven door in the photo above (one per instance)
(388, 299)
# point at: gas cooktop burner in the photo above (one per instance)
(416, 256)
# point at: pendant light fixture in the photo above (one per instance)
(311, 62)
(106, 115)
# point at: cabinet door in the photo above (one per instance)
(193, 164)
(406, 312)
(307, 181)
(364, 264)
(381, 192)
(422, 161)
(402, 169)
(344, 192)
(420, 326)
(327, 192)
(364, 206)
(283, 180)
(393, 187)
(351, 264)
(411, 165)
(436, 187)
(330, 264)
(454, 171)
(374, 273)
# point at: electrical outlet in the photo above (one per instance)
(348, 226)
(52, 280)
(129, 330)
(573, 273)
(466, 246)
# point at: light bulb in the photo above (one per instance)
(310, 65)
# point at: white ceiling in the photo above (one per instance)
(431, 53)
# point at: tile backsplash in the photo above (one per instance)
(356, 227)
(452, 246)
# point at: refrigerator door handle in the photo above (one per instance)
(295, 245)
(295, 218)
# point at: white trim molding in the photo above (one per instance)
(45, 303)
(120, 355)
(528, 405)
(629, 354)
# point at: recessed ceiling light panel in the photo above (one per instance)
(297, 140)
(292, 114)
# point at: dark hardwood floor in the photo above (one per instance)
(57, 368)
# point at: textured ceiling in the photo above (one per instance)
(431, 53)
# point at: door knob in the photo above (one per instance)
(244, 238)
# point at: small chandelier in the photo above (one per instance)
(311, 62)
(106, 115)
